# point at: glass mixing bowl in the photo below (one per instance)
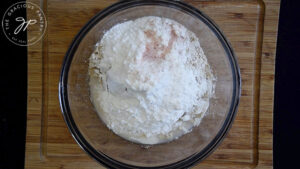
(112, 151)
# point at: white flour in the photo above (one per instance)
(149, 80)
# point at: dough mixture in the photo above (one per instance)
(150, 81)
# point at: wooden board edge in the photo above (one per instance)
(265, 135)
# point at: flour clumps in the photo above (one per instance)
(150, 81)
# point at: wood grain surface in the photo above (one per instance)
(251, 28)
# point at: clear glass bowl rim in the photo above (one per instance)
(63, 89)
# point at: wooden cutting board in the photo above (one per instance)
(249, 25)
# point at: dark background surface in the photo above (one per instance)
(13, 99)
(13, 93)
(287, 88)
